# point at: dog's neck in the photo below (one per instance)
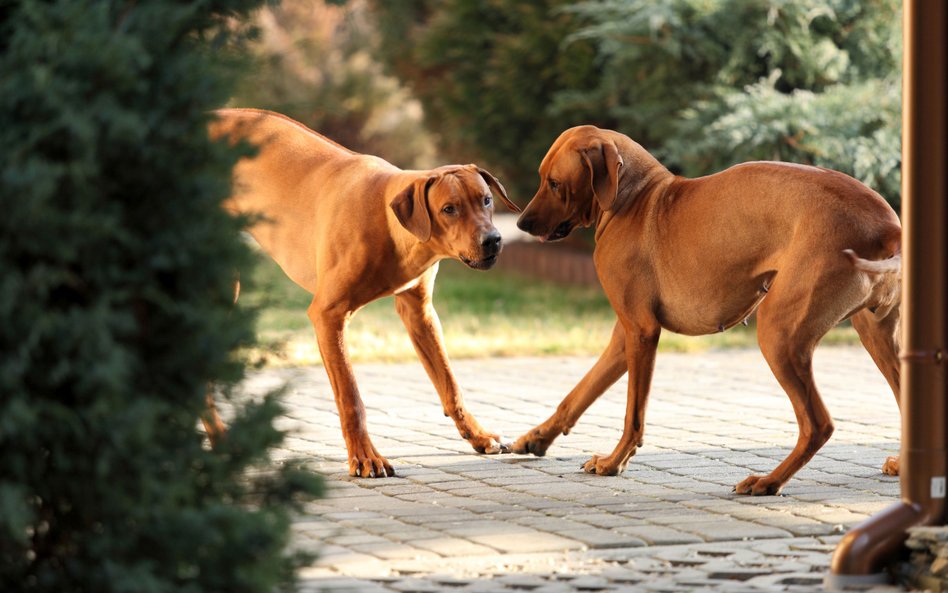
(640, 175)
(639, 172)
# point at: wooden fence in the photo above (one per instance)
(555, 263)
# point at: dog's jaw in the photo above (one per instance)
(561, 231)
(479, 264)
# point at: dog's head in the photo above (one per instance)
(451, 209)
(579, 177)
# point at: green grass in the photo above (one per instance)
(483, 314)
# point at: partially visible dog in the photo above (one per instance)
(804, 247)
(351, 228)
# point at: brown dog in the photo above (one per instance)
(697, 256)
(351, 228)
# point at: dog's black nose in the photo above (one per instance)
(525, 224)
(490, 242)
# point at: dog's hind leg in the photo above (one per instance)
(881, 340)
(790, 323)
(213, 424)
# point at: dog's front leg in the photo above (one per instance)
(420, 319)
(608, 369)
(641, 343)
(364, 459)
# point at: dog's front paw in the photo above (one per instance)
(535, 441)
(366, 462)
(603, 466)
(759, 486)
(489, 444)
(891, 466)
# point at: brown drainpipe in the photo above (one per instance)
(868, 547)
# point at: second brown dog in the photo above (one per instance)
(352, 228)
(804, 247)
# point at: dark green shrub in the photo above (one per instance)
(116, 266)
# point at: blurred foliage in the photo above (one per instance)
(116, 284)
(702, 83)
(487, 74)
(314, 62)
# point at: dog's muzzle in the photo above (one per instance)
(480, 264)
(491, 244)
(529, 224)
(562, 230)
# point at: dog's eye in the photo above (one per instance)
(450, 210)
(554, 185)
(488, 201)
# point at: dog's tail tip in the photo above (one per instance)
(885, 266)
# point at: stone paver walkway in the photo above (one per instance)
(457, 521)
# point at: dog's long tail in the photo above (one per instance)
(886, 292)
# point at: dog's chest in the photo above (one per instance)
(407, 286)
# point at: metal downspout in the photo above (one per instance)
(864, 552)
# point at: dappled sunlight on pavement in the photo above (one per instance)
(454, 520)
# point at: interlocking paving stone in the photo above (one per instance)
(660, 535)
(452, 546)
(453, 520)
(594, 537)
(526, 541)
(730, 530)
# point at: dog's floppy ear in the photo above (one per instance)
(497, 188)
(604, 162)
(411, 208)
